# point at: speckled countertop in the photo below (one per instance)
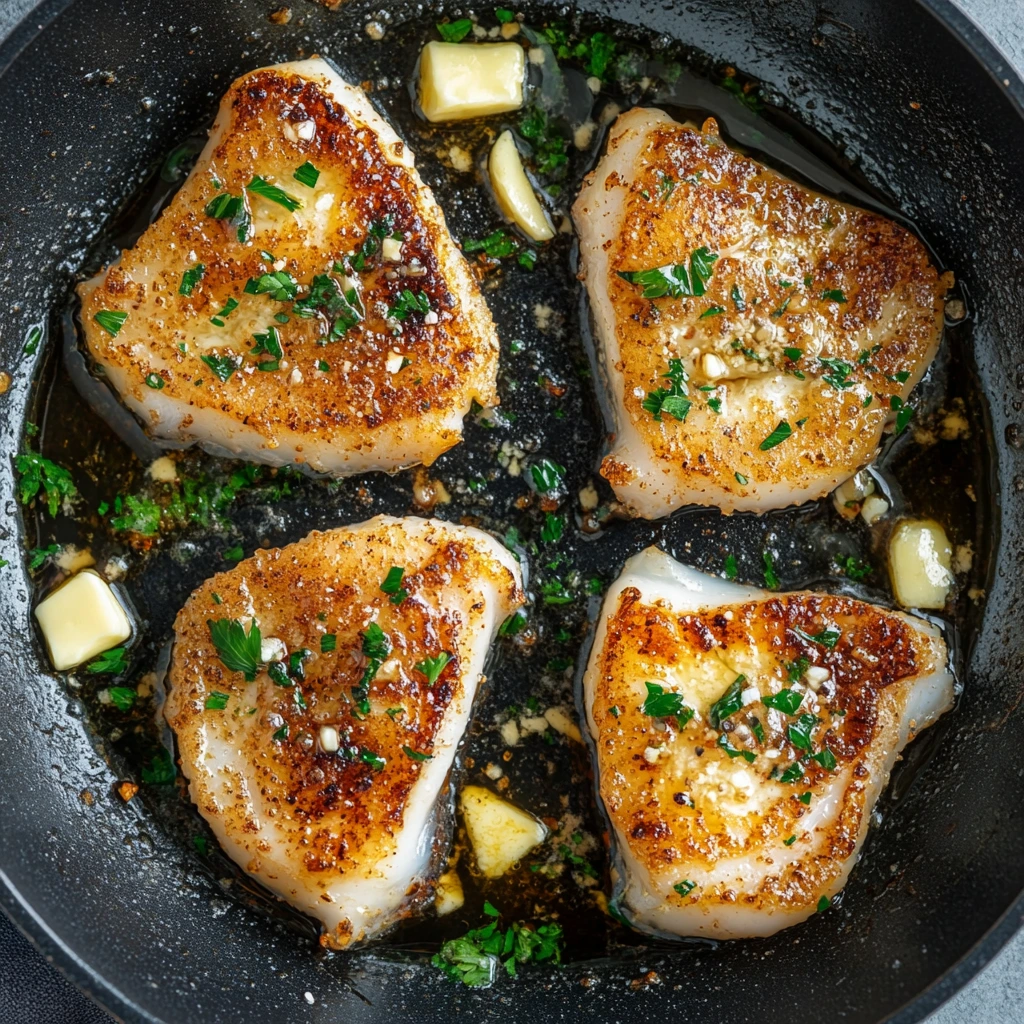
(32, 992)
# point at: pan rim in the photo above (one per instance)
(987, 54)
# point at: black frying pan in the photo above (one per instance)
(107, 889)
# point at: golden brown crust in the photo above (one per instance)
(369, 180)
(796, 271)
(670, 814)
(298, 816)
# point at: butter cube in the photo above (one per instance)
(463, 80)
(500, 833)
(80, 619)
(920, 557)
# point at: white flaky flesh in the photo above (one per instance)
(686, 814)
(348, 840)
(385, 394)
(799, 277)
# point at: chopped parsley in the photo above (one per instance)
(794, 773)
(554, 592)
(407, 303)
(674, 280)
(111, 320)
(392, 585)
(551, 531)
(376, 646)
(219, 317)
(32, 342)
(853, 568)
(160, 771)
(799, 732)
(154, 381)
(728, 704)
(904, 413)
(306, 175)
(777, 436)
(275, 194)
(223, 366)
(771, 581)
(500, 245)
(122, 697)
(114, 662)
(833, 295)
(548, 145)
(723, 742)
(672, 400)
(37, 474)
(328, 643)
(433, 667)
(825, 758)
(455, 31)
(685, 887)
(838, 374)
(341, 309)
(824, 903)
(238, 651)
(711, 311)
(136, 514)
(662, 703)
(416, 755)
(235, 553)
(737, 298)
(730, 567)
(216, 701)
(373, 759)
(795, 669)
(191, 278)
(474, 958)
(787, 701)
(279, 285)
(547, 475)
(789, 842)
(512, 625)
(826, 638)
(38, 556)
(741, 478)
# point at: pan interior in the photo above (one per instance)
(549, 409)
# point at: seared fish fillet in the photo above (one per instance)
(763, 334)
(345, 333)
(742, 740)
(320, 754)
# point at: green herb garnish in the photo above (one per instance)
(728, 704)
(673, 279)
(111, 320)
(777, 436)
(306, 175)
(672, 400)
(787, 701)
(238, 651)
(826, 638)
(433, 667)
(392, 585)
(261, 187)
(114, 662)
(547, 475)
(455, 31)
(122, 697)
(216, 701)
(191, 278)
(416, 755)
(37, 474)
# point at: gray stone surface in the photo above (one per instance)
(996, 996)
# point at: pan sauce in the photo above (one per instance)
(550, 409)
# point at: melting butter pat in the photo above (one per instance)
(459, 80)
(80, 619)
(448, 896)
(500, 833)
(514, 192)
(920, 557)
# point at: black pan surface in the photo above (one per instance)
(109, 888)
